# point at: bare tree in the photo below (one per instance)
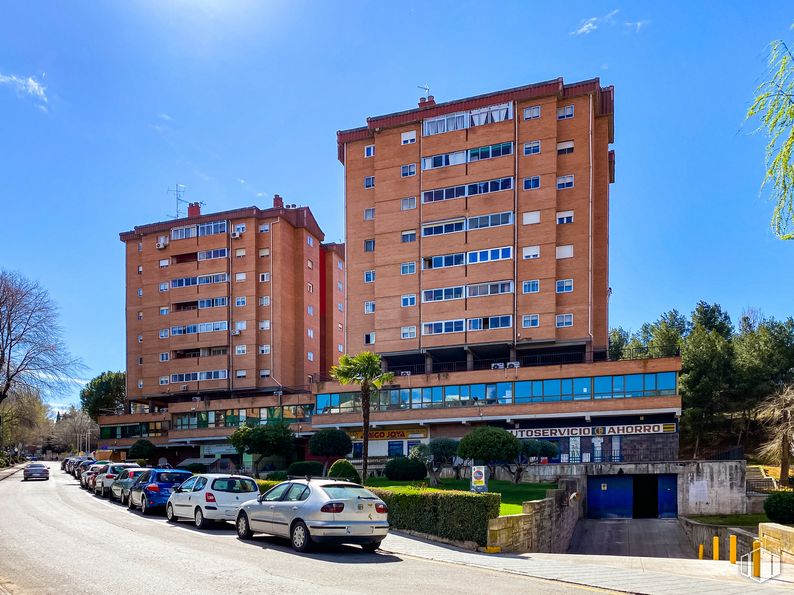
(33, 354)
(73, 427)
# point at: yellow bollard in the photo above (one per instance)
(700, 552)
(756, 558)
(732, 549)
(715, 548)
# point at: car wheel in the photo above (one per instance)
(300, 537)
(102, 492)
(243, 528)
(169, 513)
(200, 521)
(144, 509)
(130, 505)
(370, 547)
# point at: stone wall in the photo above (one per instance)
(544, 525)
(698, 533)
(778, 539)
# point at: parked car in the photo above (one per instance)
(120, 488)
(82, 466)
(107, 475)
(87, 475)
(316, 511)
(210, 497)
(73, 462)
(153, 488)
(63, 463)
(35, 471)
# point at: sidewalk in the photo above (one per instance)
(618, 573)
(9, 471)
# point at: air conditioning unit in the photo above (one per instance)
(497, 366)
(184, 387)
(513, 364)
(235, 332)
(235, 235)
(405, 373)
(161, 245)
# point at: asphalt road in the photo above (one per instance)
(58, 538)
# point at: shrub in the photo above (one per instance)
(328, 443)
(343, 469)
(142, 449)
(141, 462)
(265, 484)
(3, 463)
(303, 468)
(779, 507)
(402, 468)
(277, 476)
(462, 516)
(196, 468)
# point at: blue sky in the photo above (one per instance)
(105, 105)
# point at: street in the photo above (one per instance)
(57, 538)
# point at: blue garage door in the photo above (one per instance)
(668, 496)
(610, 496)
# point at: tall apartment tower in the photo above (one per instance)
(229, 304)
(477, 229)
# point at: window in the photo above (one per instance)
(564, 285)
(445, 261)
(369, 214)
(564, 217)
(485, 289)
(395, 448)
(565, 113)
(408, 236)
(310, 288)
(204, 327)
(140, 361)
(340, 265)
(565, 147)
(140, 315)
(339, 286)
(218, 302)
(310, 356)
(264, 277)
(408, 332)
(239, 253)
(164, 311)
(310, 241)
(239, 228)
(240, 301)
(407, 268)
(369, 245)
(240, 350)
(494, 220)
(473, 189)
(408, 138)
(369, 307)
(264, 325)
(448, 123)
(240, 373)
(532, 147)
(564, 182)
(310, 264)
(490, 151)
(531, 217)
(239, 276)
(408, 170)
(264, 228)
(140, 291)
(163, 333)
(212, 254)
(531, 286)
(264, 252)
(564, 320)
(531, 252)
(443, 227)
(444, 160)
(140, 247)
(369, 151)
(310, 310)
(565, 251)
(340, 307)
(369, 276)
(408, 300)
(140, 338)
(165, 356)
(530, 321)
(369, 182)
(532, 183)
(264, 300)
(369, 338)
(183, 233)
(442, 327)
(443, 294)
(163, 380)
(264, 373)
(490, 322)
(164, 263)
(532, 112)
(264, 349)
(240, 325)
(140, 269)
(407, 204)
(200, 280)
(493, 254)
(340, 348)
(310, 333)
(140, 384)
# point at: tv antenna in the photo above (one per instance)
(179, 191)
(425, 88)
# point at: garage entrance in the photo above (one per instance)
(641, 496)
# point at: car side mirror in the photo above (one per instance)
(260, 498)
(177, 489)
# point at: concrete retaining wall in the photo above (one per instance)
(778, 539)
(698, 533)
(544, 525)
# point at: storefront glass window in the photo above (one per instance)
(396, 448)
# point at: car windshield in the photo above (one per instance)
(36, 465)
(346, 492)
(235, 485)
(171, 477)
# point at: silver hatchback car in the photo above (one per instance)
(316, 511)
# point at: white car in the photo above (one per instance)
(210, 497)
(105, 479)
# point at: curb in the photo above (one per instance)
(16, 469)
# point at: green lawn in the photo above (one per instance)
(512, 495)
(733, 520)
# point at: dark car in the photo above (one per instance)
(81, 467)
(35, 471)
(153, 488)
(120, 488)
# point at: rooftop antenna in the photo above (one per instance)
(425, 88)
(179, 191)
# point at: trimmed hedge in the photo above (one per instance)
(303, 468)
(195, 468)
(402, 468)
(265, 484)
(458, 515)
(344, 469)
(779, 507)
(277, 476)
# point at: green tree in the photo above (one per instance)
(142, 449)
(364, 369)
(273, 439)
(618, 340)
(330, 442)
(776, 413)
(435, 454)
(103, 394)
(663, 338)
(713, 318)
(774, 106)
(490, 446)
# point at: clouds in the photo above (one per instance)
(162, 125)
(26, 87)
(588, 25)
(637, 25)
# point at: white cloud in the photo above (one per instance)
(591, 24)
(29, 87)
(637, 25)
(241, 180)
(164, 116)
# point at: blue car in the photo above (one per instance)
(153, 488)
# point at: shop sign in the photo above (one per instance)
(624, 430)
(403, 434)
(479, 483)
(218, 449)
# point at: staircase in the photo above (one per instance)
(759, 482)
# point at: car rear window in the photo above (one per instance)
(347, 492)
(134, 474)
(171, 477)
(234, 485)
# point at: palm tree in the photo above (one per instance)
(776, 413)
(365, 370)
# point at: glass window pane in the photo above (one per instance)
(478, 393)
(665, 381)
(504, 391)
(650, 382)
(551, 390)
(634, 385)
(581, 388)
(523, 392)
(537, 391)
(567, 388)
(490, 394)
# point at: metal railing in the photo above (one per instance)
(761, 486)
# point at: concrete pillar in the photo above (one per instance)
(428, 364)
(513, 353)
(469, 360)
